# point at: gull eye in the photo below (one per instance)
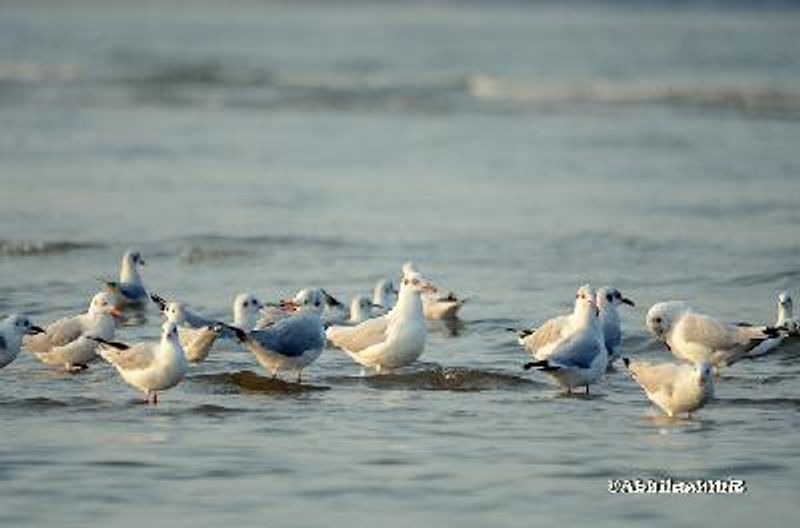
(609, 297)
(415, 281)
(657, 320)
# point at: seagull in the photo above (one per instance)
(581, 358)
(393, 340)
(675, 388)
(150, 367)
(66, 341)
(384, 295)
(12, 330)
(696, 337)
(130, 289)
(608, 299)
(197, 334)
(291, 343)
(436, 308)
(786, 321)
(541, 341)
(360, 309)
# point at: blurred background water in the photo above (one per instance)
(514, 150)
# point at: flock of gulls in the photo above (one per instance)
(388, 332)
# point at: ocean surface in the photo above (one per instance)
(513, 150)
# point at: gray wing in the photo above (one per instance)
(132, 291)
(196, 321)
(653, 377)
(612, 335)
(292, 336)
(575, 352)
(59, 333)
(357, 338)
(717, 335)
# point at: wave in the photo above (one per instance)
(26, 248)
(252, 382)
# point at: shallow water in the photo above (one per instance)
(513, 152)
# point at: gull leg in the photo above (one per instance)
(363, 372)
(155, 398)
(299, 377)
(587, 389)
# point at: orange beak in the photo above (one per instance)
(116, 313)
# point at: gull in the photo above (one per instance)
(675, 388)
(434, 307)
(541, 341)
(12, 330)
(129, 291)
(608, 299)
(291, 343)
(66, 341)
(393, 340)
(148, 366)
(384, 295)
(581, 358)
(360, 309)
(785, 321)
(695, 337)
(197, 334)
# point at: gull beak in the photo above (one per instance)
(116, 313)
(33, 330)
(395, 291)
(377, 306)
(627, 301)
(142, 262)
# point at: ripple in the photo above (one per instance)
(30, 248)
(454, 379)
(250, 381)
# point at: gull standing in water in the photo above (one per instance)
(785, 321)
(580, 359)
(360, 309)
(130, 290)
(675, 388)
(695, 337)
(66, 342)
(541, 341)
(12, 329)
(436, 308)
(292, 343)
(393, 340)
(608, 299)
(150, 367)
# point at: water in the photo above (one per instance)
(513, 151)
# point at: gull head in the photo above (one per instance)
(704, 372)
(169, 330)
(245, 310)
(360, 308)
(585, 301)
(785, 300)
(103, 303)
(416, 283)
(662, 317)
(608, 296)
(175, 312)
(19, 325)
(306, 299)
(133, 257)
(384, 293)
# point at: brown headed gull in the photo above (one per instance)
(581, 358)
(675, 388)
(393, 340)
(130, 290)
(291, 343)
(696, 337)
(541, 341)
(436, 307)
(12, 329)
(608, 299)
(66, 341)
(150, 367)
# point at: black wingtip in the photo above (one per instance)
(112, 344)
(160, 301)
(775, 331)
(528, 366)
(240, 334)
(543, 364)
(626, 362)
(333, 301)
